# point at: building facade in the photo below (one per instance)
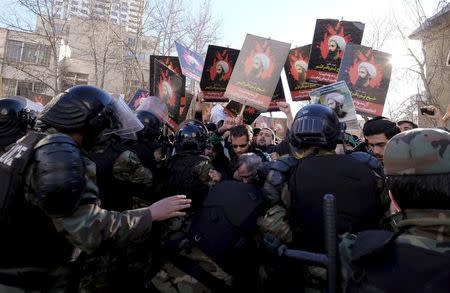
(88, 51)
(434, 34)
(127, 13)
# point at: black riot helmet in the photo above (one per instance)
(15, 119)
(84, 109)
(191, 136)
(153, 126)
(315, 125)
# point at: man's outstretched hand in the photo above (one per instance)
(169, 207)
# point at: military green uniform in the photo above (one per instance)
(89, 227)
(414, 256)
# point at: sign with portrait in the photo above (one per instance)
(295, 67)
(169, 87)
(257, 72)
(278, 125)
(337, 96)
(219, 64)
(191, 62)
(171, 62)
(331, 37)
(137, 99)
(367, 73)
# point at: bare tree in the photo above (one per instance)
(428, 61)
(22, 16)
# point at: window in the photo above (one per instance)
(84, 11)
(73, 9)
(131, 42)
(27, 52)
(14, 87)
(71, 79)
(123, 15)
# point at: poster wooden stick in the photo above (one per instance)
(241, 112)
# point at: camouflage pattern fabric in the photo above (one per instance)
(128, 169)
(171, 279)
(201, 171)
(419, 151)
(90, 225)
(428, 229)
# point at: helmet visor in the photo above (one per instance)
(126, 122)
(156, 106)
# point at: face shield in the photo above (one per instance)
(156, 106)
(126, 123)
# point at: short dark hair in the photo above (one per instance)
(380, 125)
(413, 125)
(420, 191)
(241, 130)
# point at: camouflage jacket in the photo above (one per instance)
(429, 229)
(89, 226)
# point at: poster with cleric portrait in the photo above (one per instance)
(295, 68)
(337, 96)
(169, 87)
(257, 72)
(191, 62)
(171, 62)
(367, 73)
(331, 37)
(219, 64)
(251, 113)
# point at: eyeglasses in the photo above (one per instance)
(235, 146)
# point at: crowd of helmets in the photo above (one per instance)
(235, 187)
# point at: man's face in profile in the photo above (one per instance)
(332, 46)
(362, 72)
(299, 68)
(219, 69)
(332, 104)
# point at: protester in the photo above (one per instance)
(405, 125)
(377, 131)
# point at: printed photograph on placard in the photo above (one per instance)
(250, 113)
(171, 62)
(337, 96)
(295, 67)
(191, 62)
(367, 73)
(331, 37)
(257, 71)
(169, 87)
(219, 64)
(136, 100)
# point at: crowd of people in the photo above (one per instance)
(98, 198)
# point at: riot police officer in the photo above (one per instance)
(188, 167)
(50, 210)
(15, 120)
(316, 170)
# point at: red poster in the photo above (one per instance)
(295, 67)
(219, 65)
(257, 72)
(331, 37)
(367, 73)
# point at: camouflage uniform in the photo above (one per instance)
(124, 266)
(91, 227)
(415, 152)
